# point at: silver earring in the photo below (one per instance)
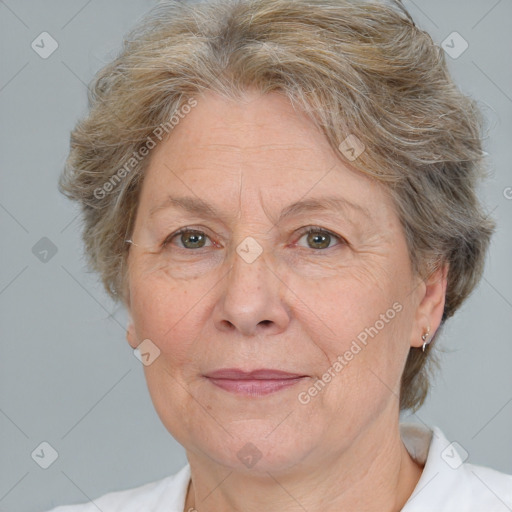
(424, 337)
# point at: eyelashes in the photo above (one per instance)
(324, 233)
(197, 239)
(197, 234)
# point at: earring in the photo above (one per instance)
(424, 337)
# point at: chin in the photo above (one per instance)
(254, 447)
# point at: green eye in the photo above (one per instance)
(319, 240)
(189, 238)
(195, 239)
(316, 238)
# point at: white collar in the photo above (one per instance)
(447, 483)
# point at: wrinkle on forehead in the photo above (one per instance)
(257, 147)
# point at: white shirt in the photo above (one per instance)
(447, 484)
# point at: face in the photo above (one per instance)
(225, 280)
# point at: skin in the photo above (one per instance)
(296, 307)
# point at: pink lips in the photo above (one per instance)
(254, 383)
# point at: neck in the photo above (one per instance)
(375, 474)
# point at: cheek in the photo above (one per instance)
(338, 309)
(362, 371)
(359, 329)
(166, 311)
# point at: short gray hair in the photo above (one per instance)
(359, 68)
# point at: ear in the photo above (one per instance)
(429, 313)
(131, 336)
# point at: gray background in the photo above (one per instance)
(68, 377)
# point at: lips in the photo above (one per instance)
(254, 383)
(264, 374)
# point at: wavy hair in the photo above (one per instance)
(355, 67)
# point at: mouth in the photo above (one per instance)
(254, 383)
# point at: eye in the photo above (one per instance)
(189, 238)
(318, 238)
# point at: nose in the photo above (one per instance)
(252, 299)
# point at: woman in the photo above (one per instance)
(258, 181)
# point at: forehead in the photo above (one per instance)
(232, 153)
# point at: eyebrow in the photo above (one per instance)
(324, 204)
(201, 208)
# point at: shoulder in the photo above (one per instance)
(448, 481)
(166, 494)
(490, 489)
